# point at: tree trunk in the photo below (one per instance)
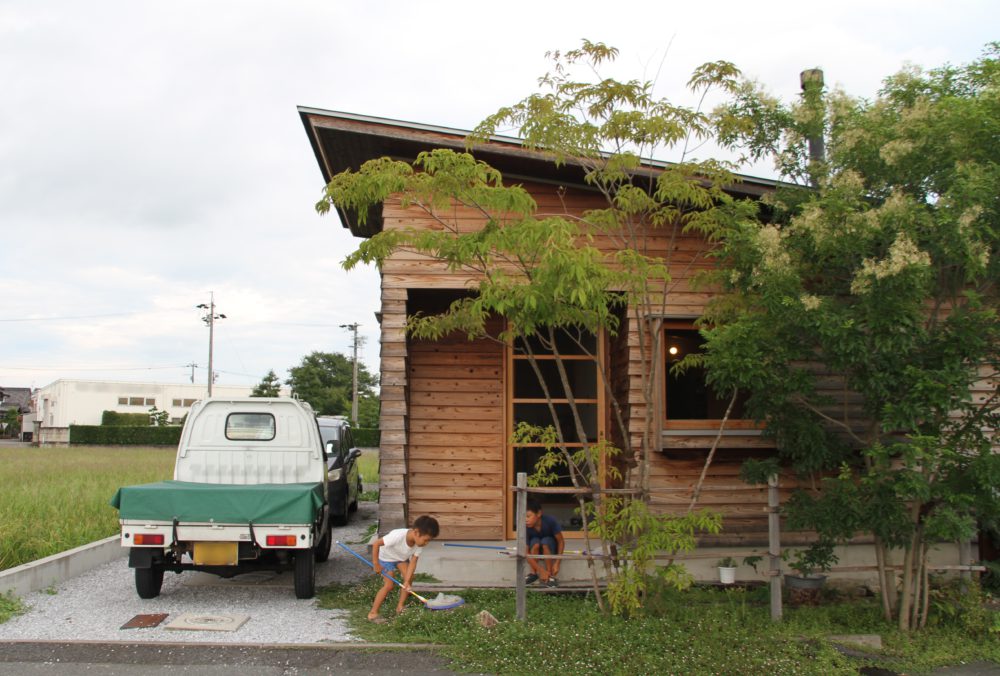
(927, 588)
(918, 578)
(883, 580)
(696, 493)
(909, 564)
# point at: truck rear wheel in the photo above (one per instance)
(322, 549)
(148, 581)
(305, 574)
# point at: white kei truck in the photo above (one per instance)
(250, 492)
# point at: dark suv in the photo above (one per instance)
(342, 467)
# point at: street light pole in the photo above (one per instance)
(209, 319)
(354, 382)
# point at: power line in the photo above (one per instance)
(234, 373)
(153, 312)
(325, 326)
(91, 368)
(59, 319)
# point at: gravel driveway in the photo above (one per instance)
(94, 606)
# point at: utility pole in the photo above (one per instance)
(209, 320)
(193, 366)
(354, 383)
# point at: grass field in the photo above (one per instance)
(54, 499)
(697, 631)
(368, 466)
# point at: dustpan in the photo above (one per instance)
(439, 602)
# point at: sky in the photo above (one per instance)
(152, 157)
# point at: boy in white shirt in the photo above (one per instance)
(399, 549)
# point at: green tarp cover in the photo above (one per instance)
(223, 503)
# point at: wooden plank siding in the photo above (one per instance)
(674, 475)
(455, 450)
(392, 416)
(455, 433)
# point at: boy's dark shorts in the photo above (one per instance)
(549, 542)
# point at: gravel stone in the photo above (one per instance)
(93, 606)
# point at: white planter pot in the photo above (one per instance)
(727, 575)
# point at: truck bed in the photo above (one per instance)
(220, 503)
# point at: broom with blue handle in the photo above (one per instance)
(441, 603)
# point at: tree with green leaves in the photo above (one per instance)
(269, 386)
(368, 410)
(158, 418)
(543, 272)
(12, 422)
(877, 270)
(325, 381)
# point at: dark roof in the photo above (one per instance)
(345, 141)
(15, 397)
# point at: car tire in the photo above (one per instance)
(305, 574)
(148, 581)
(353, 507)
(321, 551)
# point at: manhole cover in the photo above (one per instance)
(145, 621)
(205, 622)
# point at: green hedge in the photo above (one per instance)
(125, 419)
(366, 436)
(112, 435)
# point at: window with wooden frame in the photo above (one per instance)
(581, 356)
(689, 402)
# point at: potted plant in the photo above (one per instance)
(727, 570)
(808, 563)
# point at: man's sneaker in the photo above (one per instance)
(552, 582)
(531, 579)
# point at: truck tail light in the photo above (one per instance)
(148, 539)
(280, 540)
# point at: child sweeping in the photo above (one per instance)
(399, 550)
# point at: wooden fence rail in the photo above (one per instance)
(773, 552)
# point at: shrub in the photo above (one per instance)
(116, 419)
(366, 436)
(112, 435)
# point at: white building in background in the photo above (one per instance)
(83, 402)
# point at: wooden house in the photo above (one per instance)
(448, 407)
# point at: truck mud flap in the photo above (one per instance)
(143, 557)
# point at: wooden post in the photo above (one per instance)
(965, 559)
(522, 545)
(774, 546)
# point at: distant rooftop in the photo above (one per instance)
(15, 397)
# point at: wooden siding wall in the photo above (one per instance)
(392, 417)
(457, 476)
(744, 511)
(456, 435)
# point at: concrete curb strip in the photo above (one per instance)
(58, 568)
(304, 647)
